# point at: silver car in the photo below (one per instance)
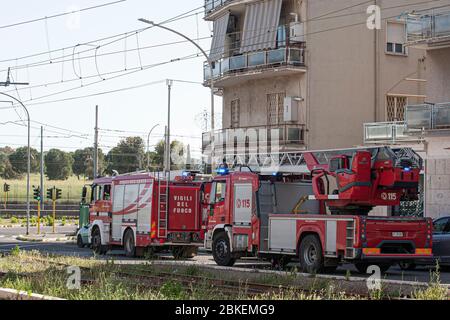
(441, 246)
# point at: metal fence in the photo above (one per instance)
(254, 60)
(428, 116)
(431, 26)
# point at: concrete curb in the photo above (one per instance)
(12, 294)
(68, 240)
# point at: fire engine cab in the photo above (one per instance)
(320, 217)
(140, 212)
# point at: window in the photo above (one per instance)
(395, 108)
(235, 113)
(396, 38)
(442, 225)
(218, 192)
(275, 108)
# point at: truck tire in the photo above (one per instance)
(97, 242)
(129, 245)
(221, 250)
(280, 263)
(362, 267)
(184, 252)
(407, 266)
(311, 255)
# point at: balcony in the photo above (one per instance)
(256, 65)
(428, 117)
(429, 31)
(255, 140)
(215, 7)
(387, 133)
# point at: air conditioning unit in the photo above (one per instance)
(297, 32)
(291, 106)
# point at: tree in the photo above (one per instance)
(19, 160)
(6, 169)
(176, 152)
(58, 165)
(83, 162)
(127, 156)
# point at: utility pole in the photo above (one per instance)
(168, 162)
(42, 167)
(96, 144)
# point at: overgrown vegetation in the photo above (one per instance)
(106, 280)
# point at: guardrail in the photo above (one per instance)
(428, 116)
(255, 60)
(430, 26)
(387, 132)
(212, 5)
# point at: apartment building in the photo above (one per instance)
(311, 71)
(426, 127)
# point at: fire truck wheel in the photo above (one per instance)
(280, 263)
(80, 243)
(406, 265)
(221, 250)
(362, 267)
(128, 244)
(97, 242)
(184, 252)
(311, 257)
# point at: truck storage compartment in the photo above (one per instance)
(282, 198)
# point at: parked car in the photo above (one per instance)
(441, 246)
(83, 237)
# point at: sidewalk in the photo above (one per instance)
(48, 237)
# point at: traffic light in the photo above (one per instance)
(58, 194)
(50, 193)
(6, 187)
(37, 193)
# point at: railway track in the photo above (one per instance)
(150, 279)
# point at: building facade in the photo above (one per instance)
(308, 74)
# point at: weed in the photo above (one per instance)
(15, 252)
(14, 220)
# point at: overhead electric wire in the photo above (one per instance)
(61, 14)
(176, 18)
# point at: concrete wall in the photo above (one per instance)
(437, 174)
(438, 75)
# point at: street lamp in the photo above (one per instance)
(28, 156)
(148, 146)
(210, 63)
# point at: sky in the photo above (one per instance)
(54, 76)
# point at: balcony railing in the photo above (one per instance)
(429, 27)
(212, 5)
(428, 117)
(256, 60)
(255, 139)
(387, 132)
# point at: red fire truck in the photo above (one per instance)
(138, 212)
(321, 217)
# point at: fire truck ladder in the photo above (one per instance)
(163, 196)
(349, 249)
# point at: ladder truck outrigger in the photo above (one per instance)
(321, 216)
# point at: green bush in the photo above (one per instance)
(14, 220)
